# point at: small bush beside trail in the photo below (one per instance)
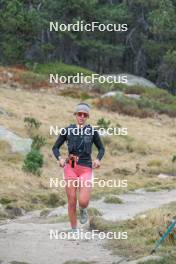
(33, 162)
(34, 159)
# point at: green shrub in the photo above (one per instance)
(38, 142)
(113, 199)
(34, 159)
(102, 123)
(61, 69)
(51, 199)
(123, 105)
(154, 163)
(33, 79)
(152, 99)
(174, 158)
(132, 89)
(33, 162)
(31, 122)
(6, 200)
(55, 200)
(174, 165)
(76, 93)
(94, 212)
(145, 106)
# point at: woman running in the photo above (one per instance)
(79, 166)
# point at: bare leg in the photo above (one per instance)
(72, 200)
(84, 195)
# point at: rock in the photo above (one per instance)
(133, 96)
(158, 124)
(164, 176)
(18, 90)
(3, 112)
(18, 144)
(9, 75)
(59, 211)
(112, 93)
(134, 80)
(119, 94)
(15, 211)
(140, 191)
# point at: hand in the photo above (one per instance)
(96, 164)
(62, 162)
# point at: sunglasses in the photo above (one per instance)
(80, 114)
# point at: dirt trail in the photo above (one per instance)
(27, 240)
(31, 243)
(134, 203)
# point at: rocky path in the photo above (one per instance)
(27, 240)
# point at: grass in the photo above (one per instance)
(139, 158)
(76, 93)
(79, 262)
(56, 219)
(94, 212)
(6, 200)
(126, 144)
(142, 233)
(135, 179)
(126, 157)
(51, 199)
(169, 259)
(152, 100)
(65, 218)
(33, 80)
(123, 105)
(154, 163)
(18, 262)
(7, 155)
(60, 68)
(113, 199)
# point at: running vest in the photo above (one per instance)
(73, 137)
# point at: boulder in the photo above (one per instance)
(134, 80)
(17, 143)
(15, 211)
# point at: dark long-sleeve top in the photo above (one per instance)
(84, 158)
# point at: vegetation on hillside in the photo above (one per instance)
(150, 101)
(146, 49)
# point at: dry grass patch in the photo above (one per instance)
(113, 199)
(147, 140)
(142, 232)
